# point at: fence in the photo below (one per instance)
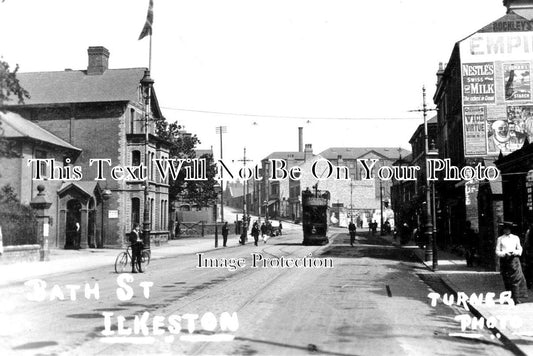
(201, 228)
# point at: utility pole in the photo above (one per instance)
(351, 200)
(244, 188)
(381, 208)
(220, 130)
(431, 247)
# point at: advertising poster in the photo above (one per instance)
(475, 120)
(504, 135)
(478, 83)
(517, 81)
(236, 177)
(521, 119)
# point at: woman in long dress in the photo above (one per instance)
(509, 250)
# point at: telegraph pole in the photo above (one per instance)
(244, 189)
(381, 232)
(220, 130)
(431, 247)
(351, 200)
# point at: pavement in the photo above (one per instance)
(67, 261)
(513, 324)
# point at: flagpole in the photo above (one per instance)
(150, 53)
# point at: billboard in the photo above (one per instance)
(496, 92)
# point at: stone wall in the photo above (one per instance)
(22, 253)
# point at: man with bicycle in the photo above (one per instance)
(136, 248)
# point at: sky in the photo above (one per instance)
(348, 72)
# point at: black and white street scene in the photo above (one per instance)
(252, 177)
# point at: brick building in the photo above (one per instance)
(30, 141)
(408, 196)
(351, 195)
(275, 195)
(485, 109)
(100, 111)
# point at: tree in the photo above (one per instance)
(9, 86)
(182, 145)
(8, 195)
(202, 193)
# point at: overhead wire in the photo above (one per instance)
(288, 116)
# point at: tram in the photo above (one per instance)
(315, 212)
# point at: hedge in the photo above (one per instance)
(19, 225)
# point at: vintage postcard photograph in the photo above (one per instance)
(253, 177)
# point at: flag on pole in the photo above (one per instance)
(147, 29)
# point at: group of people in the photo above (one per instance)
(266, 229)
(373, 227)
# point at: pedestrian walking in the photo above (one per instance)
(374, 227)
(386, 227)
(263, 230)
(244, 231)
(136, 248)
(280, 227)
(255, 232)
(352, 230)
(268, 231)
(225, 231)
(469, 244)
(177, 230)
(268, 228)
(405, 234)
(509, 250)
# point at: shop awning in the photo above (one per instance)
(270, 202)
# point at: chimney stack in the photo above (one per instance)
(98, 60)
(520, 7)
(440, 72)
(308, 152)
(300, 139)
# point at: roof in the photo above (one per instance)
(87, 187)
(420, 129)
(404, 160)
(76, 86)
(286, 155)
(201, 152)
(17, 127)
(357, 152)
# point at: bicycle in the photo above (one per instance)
(124, 258)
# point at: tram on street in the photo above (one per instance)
(315, 212)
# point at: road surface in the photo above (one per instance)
(373, 301)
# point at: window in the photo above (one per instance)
(132, 120)
(161, 204)
(152, 213)
(42, 154)
(151, 166)
(135, 210)
(135, 158)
